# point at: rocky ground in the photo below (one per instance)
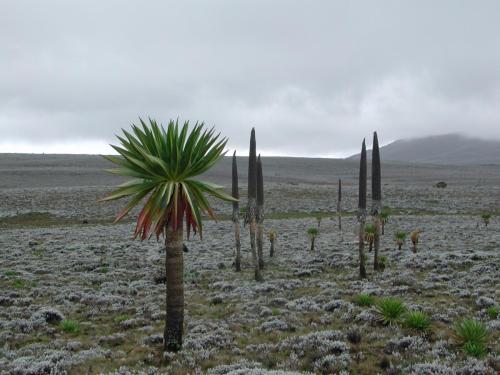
(302, 319)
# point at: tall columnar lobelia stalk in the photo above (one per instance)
(260, 213)
(376, 198)
(251, 214)
(339, 204)
(362, 211)
(236, 214)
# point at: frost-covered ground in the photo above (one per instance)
(297, 320)
(302, 319)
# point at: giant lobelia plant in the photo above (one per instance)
(376, 199)
(362, 210)
(251, 214)
(164, 164)
(260, 213)
(339, 204)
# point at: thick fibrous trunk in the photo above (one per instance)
(260, 214)
(236, 214)
(376, 243)
(376, 198)
(362, 269)
(339, 205)
(174, 267)
(237, 260)
(260, 245)
(376, 173)
(312, 243)
(271, 252)
(250, 217)
(362, 210)
(258, 274)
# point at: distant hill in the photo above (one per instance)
(442, 149)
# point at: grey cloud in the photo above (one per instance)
(314, 78)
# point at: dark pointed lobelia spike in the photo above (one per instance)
(362, 210)
(260, 184)
(376, 199)
(236, 215)
(252, 179)
(340, 190)
(260, 214)
(362, 178)
(339, 204)
(250, 217)
(376, 175)
(235, 190)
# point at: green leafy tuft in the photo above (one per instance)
(390, 310)
(493, 312)
(312, 232)
(163, 163)
(470, 331)
(70, 326)
(475, 349)
(417, 320)
(364, 299)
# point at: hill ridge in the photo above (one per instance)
(445, 149)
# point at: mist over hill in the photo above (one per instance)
(445, 149)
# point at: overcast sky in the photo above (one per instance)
(313, 77)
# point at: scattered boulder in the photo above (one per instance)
(276, 325)
(153, 339)
(6, 301)
(333, 305)
(50, 315)
(303, 273)
(354, 336)
(159, 276)
(217, 300)
(278, 302)
(441, 185)
(73, 346)
(112, 340)
(385, 363)
(265, 311)
(303, 304)
(485, 302)
(367, 316)
(415, 344)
